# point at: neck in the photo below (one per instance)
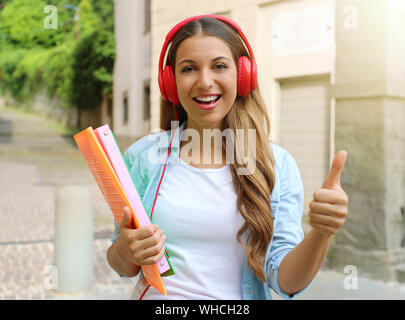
(203, 144)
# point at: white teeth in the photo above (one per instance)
(205, 99)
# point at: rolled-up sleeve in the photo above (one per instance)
(288, 231)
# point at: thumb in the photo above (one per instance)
(126, 221)
(333, 178)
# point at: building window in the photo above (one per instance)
(125, 106)
(146, 101)
(147, 16)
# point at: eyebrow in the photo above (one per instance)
(192, 61)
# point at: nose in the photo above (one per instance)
(205, 79)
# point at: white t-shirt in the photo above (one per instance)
(196, 208)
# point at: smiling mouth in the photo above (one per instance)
(207, 102)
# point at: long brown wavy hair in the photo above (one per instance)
(253, 190)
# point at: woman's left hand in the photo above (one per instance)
(329, 207)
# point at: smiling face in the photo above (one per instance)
(205, 69)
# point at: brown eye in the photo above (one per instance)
(221, 66)
(186, 69)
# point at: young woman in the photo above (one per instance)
(231, 230)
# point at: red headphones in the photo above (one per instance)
(247, 69)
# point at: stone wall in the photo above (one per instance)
(369, 91)
(55, 109)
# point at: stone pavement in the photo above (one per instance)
(330, 285)
(35, 158)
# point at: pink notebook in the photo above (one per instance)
(111, 149)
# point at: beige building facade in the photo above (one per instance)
(132, 70)
(319, 62)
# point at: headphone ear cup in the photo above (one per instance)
(169, 84)
(244, 76)
(162, 86)
(253, 84)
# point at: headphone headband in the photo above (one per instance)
(179, 25)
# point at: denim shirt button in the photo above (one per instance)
(248, 291)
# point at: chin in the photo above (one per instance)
(210, 122)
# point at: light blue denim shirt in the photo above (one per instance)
(145, 161)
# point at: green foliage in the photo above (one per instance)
(9, 60)
(22, 24)
(93, 62)
(75, 66)
(57, 72)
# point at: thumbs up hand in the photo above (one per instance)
(329, 207)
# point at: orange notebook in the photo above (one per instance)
(112, 190)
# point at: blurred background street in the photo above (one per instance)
(37, 156)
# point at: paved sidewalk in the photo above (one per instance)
(34, 160)
(330, 285)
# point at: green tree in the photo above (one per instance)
(74, 61)
(22, 25)
(93, 57)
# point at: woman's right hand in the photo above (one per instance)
(142, 246)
